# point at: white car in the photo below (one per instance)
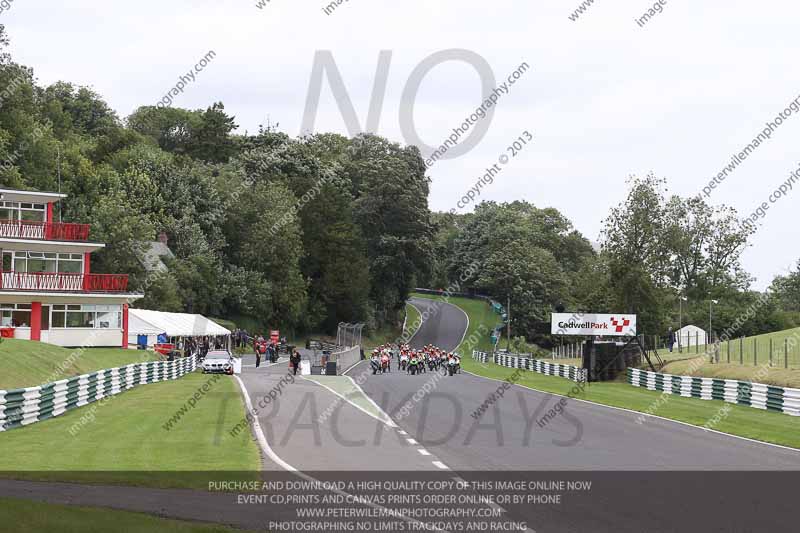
(218, 362)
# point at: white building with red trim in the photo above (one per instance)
(47, 290)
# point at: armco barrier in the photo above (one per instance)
(22, 407)
(527, 363)
(756, 395)
(481, 357)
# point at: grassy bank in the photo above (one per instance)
(126, 440)
(781, 348)
(29, 363)
(743, 421)
(412, 321)
(35, 517)
(763, 373)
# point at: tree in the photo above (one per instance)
(530, 276)
(787, 290)
(210, 138)
(77, 110)
(391, 207)
(704, 245)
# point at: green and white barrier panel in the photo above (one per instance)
(528, 363)
(481, 357)
(22, 407)
(758, 395)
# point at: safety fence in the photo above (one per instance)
(346, 358)
(22, 407)
(527, 363)
(567, 351)
(756, 395)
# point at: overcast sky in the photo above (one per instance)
(605, 98)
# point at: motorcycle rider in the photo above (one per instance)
(413, 363)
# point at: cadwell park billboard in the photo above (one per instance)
(593, 324)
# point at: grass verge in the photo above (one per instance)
(413, 321)
(763, 373)
(782, 348)
(36, 517)
(30, 363)
(124, 440)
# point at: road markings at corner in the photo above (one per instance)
(269, 452)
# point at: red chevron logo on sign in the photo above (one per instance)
(618, 327)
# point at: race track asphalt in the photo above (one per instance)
(312, 428)
(444, 327)
(655, 476)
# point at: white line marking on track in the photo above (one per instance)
(423, 451)
(465, 329)
(265, 447)
(420, 322)
(391, 422)
(262, 440)
(283, 360)
(435, 299)
(387, 420)
(642, 414)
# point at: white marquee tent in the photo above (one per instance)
(690, 336)
(153, 323)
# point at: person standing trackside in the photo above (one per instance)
(295, 360)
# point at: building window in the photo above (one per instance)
(27, 212)
(86, 316)
(15, 315)
(43, 262)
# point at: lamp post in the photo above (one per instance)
(710, 302)
(508, 325)
(681, 299)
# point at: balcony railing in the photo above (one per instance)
(52, 281)
(56, 231)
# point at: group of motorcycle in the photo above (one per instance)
(412, 361)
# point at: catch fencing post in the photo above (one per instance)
(770, 351)
(786, 353)
(755, 351)
(729, 351)
(741, 350)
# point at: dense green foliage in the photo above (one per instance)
(654, 250)
(289, 233)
